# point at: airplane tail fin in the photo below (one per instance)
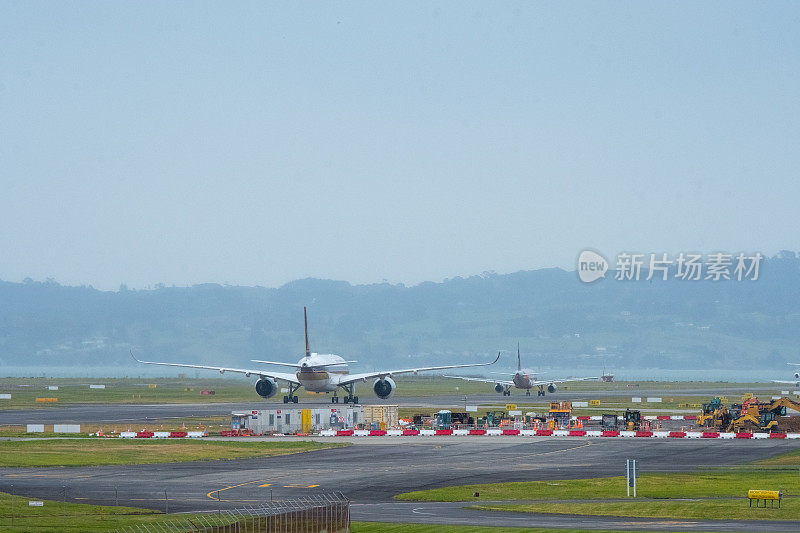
(519, 361)
(305, 319)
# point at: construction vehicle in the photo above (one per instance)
(715, 415)
(780, 406)
(749, 416)
(762, 415)
(560, 413)
(632, 420)
(609, 422)
(747, 422)
(492, 419)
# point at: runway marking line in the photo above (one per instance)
(558, 451)
(214, 494)
(209, 494)
(42, 475)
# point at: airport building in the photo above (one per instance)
(294, 420)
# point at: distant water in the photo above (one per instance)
(620, 374)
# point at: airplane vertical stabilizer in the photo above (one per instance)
(305, 319)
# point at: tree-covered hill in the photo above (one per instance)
(655, 324)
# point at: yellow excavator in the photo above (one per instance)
(752, 415)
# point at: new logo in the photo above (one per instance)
(591, 266)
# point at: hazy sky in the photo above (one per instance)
(260, 143)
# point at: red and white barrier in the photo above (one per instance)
(641, 435)
(161, 435)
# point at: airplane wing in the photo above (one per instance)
(291, 378)
(795, 382)
(352, 378)
(292, 365)
(295, 365)
(484, 380)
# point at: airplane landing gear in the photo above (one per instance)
(350, 398)
(540, 392)
(335, 399)
(507, 392)
(291, 398)
(527, 393)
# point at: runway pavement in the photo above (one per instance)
(373, 470)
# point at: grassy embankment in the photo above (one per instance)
(16, 516)
(211, 424)
(708, 494)
(96, 452)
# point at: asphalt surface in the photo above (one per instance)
(455, 513)
(373, 470)
(128, 413)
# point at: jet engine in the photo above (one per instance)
(384, 387)
(498, 388)
(266, 387)
(552, 388)
(796, 375)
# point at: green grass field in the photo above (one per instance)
(16, 516)
(96, 452)
(704, 484)
(729, 509)
(706, 494)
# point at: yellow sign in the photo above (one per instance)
(151, 386)
(594, 403)
(764, 494)
(511, 406)
(46, 400)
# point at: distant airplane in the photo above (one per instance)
(522, 379)
(318, 373)
(796, 381)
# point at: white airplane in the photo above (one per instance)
(318, 373)
(522, 379)
(796, 381)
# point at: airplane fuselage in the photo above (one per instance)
(522, 379)
(320, 372)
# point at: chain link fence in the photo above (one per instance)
(327, 513)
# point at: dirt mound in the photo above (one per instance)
(788, 424)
